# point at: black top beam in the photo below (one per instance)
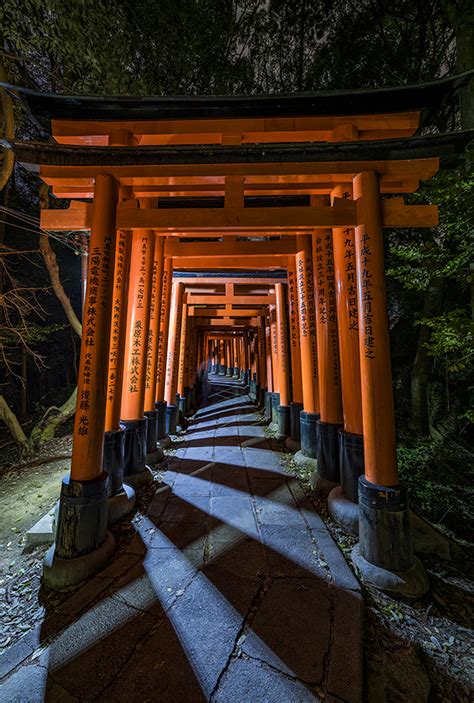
(448, 147)
(425, 97)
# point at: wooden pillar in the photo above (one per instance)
(222, 368)
(182, 352)
(328, 354)
(268, 354)
(154, 327)
(262, 366)
(138, 321)
(89, 423)
(83, 504)
(351, 437)
(374, 344)
(274, 341)
(309, 355)
(282, 345)
(164, 329)
(296, 385)
(385, 552)
(118, 331)
(172, 361)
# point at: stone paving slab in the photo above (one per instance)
(232, 590)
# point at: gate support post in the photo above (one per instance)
(283, 408)
(385, 553)
(172, 358)
(343, 500)
(328, 360)
(154, 453)
(121, 496)
(136, 347)
(83, 544)
(296, 406)
(309, 355)
(164, 439)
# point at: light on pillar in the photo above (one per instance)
(342, 501)
(154, 454)
(82, 544)
(172, 358)
(296, 405)
(136, 348)
(309, 355)
(160, 404)
(330, 402)
(283, 408)
(275, 395)
(385, 552)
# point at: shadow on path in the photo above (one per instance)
(231, 590)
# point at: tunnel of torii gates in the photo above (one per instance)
(241, 237)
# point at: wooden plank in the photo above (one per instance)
(281, 247)
(236, 219)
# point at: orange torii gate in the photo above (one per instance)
(234, 189)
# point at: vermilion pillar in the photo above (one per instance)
(328, 357)
(283, 361)
(309, 355)
(235, 351)
(165, 306)
(296, 405)
(82, 516)
(136, 348)
(384, 525)
(151, 412)
(222, 352)
(182, 359)
(268, 362)
(89, 424)
(351, 446)
(164, 328)
(274, 349)
(262, 362)
(114, 438)
(172, 359)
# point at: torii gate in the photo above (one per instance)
(246, 184)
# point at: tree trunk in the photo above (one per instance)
(52, 420)
(422, 366)
(9, 418)
(53, 269)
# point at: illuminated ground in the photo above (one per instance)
(231, 590)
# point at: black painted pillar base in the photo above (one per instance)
(309, 434)
(213, 368)
(284, 420)
(229, 371)
(151, 431)
(328, 452)
(222, 370)
(161, 408)
(385, 555)
(261, 397)
(114, 459)
(295, 428)
(351, 463)
(275, 403)
(182, 405)
(236, 372)
(268, 406)
(171, 419)
(187, 399)
(257, 394)
(83, 545)
(135, 446)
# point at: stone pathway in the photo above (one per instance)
(231, 591)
